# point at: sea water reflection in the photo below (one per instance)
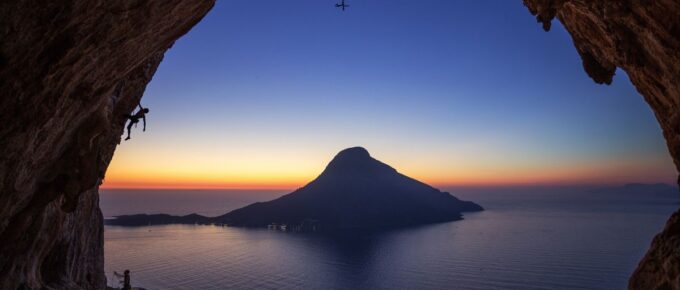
(521, 241)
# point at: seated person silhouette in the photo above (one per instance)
(134, 119)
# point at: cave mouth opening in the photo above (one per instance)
(62, 60)
(423, 78)
(615, 121)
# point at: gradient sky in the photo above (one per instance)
(262, 94)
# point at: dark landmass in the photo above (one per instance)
(238, 217)
(157, 219)
(354, 191)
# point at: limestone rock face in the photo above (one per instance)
(642, 37)
(660, 268)
(69, 71)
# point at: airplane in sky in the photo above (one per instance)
(342, 5)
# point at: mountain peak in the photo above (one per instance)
(353, 153)
(355, 160)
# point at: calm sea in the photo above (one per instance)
(540, 238)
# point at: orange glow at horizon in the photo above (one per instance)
(153, 170)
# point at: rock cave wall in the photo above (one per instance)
(641, 37)
(69, 71)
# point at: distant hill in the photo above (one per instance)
(157, 219)
(354, 191)
(661, 190)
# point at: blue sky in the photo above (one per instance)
(451, 92)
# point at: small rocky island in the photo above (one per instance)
(354, 191)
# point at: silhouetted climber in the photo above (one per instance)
(134, 119)
(126, 281)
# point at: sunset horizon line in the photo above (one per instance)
(435, 185)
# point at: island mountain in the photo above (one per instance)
(354, 191)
